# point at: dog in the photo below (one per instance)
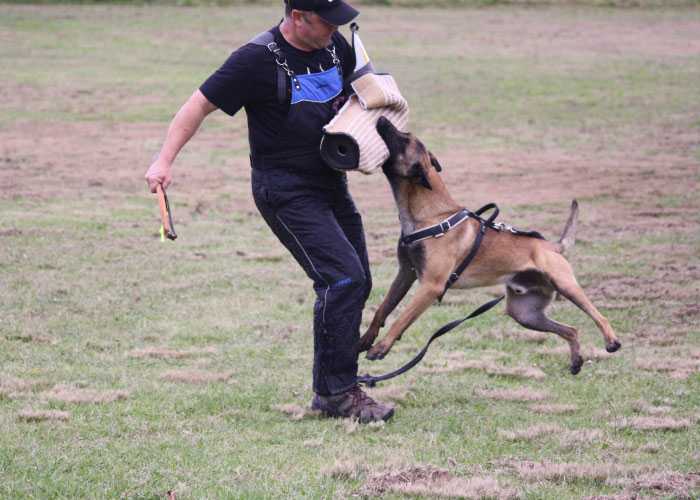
(531, 269)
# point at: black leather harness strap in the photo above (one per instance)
(483, 224)
(439, 229)
(267, 39)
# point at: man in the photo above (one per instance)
(290, 82)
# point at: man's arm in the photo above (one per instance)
(181, 130)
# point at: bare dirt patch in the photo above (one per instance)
(191, 376)
(71, 394)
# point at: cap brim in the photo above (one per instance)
(339, 14)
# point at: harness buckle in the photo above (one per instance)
(444, 227)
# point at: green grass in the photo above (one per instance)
(84, 279)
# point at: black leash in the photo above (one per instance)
(371, 381)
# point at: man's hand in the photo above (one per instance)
(158, 173)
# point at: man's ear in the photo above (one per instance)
(435, 162)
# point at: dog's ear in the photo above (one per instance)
(435, 162)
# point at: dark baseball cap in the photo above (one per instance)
(335, 12)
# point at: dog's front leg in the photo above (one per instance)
(426, 294)
(397, 291)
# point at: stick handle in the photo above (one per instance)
(163, 208)
(165, 215)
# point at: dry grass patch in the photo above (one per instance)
(649, 409)
(38, 339)
(456, 361)
(189, 376)
(352, 425)
(677, 368)
(344, 470)
(675, 484)
(553, 408)
(519, 394)
(433, 482)
(43, 415)
(651, 448)
(10, 384)
(532, 432)
(571, 439)
(71, 394)
(568, 472)
(587, 352)
(295, 412)
(654, 423)
(166, 353)
(395, 393)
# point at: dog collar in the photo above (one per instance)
(437, 230)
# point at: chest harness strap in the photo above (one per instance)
(267, 39)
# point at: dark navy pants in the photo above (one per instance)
(322, 229)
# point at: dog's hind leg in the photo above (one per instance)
(562, 277)
(527, 308)
(397, 291)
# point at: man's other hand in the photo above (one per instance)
(158, 173)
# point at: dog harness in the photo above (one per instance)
(436, 231)
(442, 228)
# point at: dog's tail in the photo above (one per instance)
(568, 236)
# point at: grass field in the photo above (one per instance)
(131, 367)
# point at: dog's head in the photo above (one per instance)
(408, 157)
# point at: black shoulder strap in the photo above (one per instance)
(267, 39)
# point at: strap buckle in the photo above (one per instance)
(445, 226)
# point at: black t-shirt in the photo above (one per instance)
(248, 79)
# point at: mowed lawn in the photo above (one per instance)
(131, 367)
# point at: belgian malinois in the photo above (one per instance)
(531, 269)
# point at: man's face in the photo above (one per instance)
(312, 29)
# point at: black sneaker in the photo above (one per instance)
(353, 404)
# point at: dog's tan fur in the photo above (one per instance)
(532, 269)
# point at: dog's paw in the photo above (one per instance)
(576, 365)
(365, 342)
(613, 346)
(377, 352)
